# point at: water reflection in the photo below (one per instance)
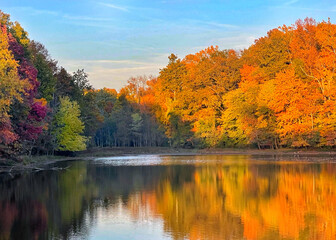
(181, 197)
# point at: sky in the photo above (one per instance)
(113, 40)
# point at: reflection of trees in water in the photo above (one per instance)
(124, 180)
(59, 204)
(29, 215)
(45, 205)
(215, 200)
(256, 201)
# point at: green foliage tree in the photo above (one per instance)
(69, 127)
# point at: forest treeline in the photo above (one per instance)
(44, 108)
(280, 92)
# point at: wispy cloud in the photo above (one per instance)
(290, 2)
(116, 62)
(211, 23)
(90, 23)
(114, 73)
(34, 11)
(110, 63)
(237, 42)
(117, 77)
(85, 18)
(220, 25)
(331, 9)
(121, 8)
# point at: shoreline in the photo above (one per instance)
(122, 151)
(39, 163)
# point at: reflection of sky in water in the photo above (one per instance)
(148, 160)
(152, 160)
(118, 222)
(131, 160)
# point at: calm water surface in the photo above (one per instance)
(173, 197)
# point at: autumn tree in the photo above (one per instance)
(11, 88)
(46, 70)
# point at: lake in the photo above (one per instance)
(173, 197)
